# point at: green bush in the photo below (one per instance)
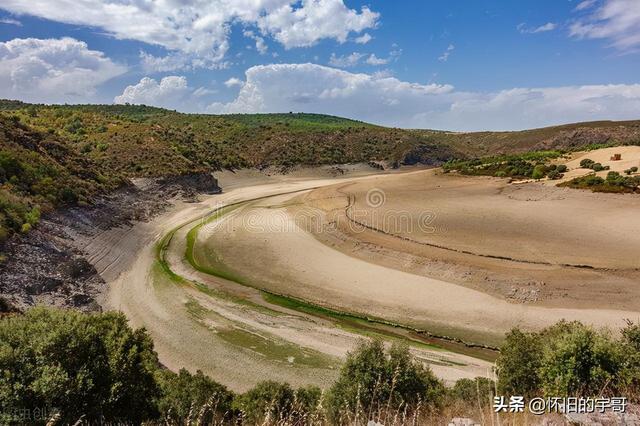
(587, 163)
(187, 396)
(561, 168)
(82, 365)
(554, 175)
(518, 364)
(570, 359)
(478, 391)
(580, 361)
(267, 400)
(371, 379)
(539, 172)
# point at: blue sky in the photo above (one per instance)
(459, 65)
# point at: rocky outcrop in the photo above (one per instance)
(54, 263)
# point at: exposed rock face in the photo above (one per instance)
(50, 266)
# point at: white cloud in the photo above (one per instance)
(355, 58)
(387, 100)
(375, 61)
(203, 91)
(178, 61)
(233, 81)
(583, 5)
(53, 70)
(170, 92)
(363, 39)
(10, 21)
(617, 21)
(314, 20)
(445, 55)
(345, 61)
(549, 26)
(199, 29)
(261, 45)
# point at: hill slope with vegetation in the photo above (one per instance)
(52, 155)
(115, 377)
(147, 141)
(41, 171)
(568, 137)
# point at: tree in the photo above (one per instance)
(82, 365)
(518, 364)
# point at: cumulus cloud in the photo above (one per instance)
(196, 33)
(53, 70)
(314, 20)
(617, 21)
(170, 92)
(382, 99)
(316, 88)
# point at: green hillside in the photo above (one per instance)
(52, 155)
(146, 141)
(40, 171)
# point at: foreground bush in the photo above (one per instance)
(372, 380)
(193, 397)
(96, 368)
(273, 402)
(570, 359)
(89, 366)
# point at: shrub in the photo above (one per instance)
(267, 400)
(561, 168)
(579, 361)
(82, 365)
(592, 180)
(185, 394)
(587, 163)
(570, 359)
(539, 172)
(554, 175)
(372, 379)
(477, 391)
